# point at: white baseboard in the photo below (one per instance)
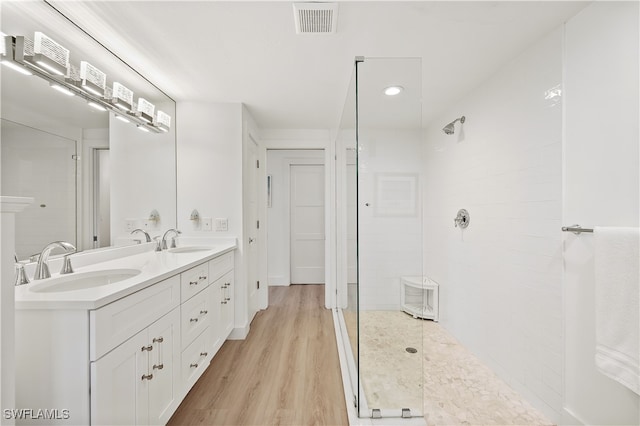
(278, 280)
(240, 333)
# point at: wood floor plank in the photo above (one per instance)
(286, 372)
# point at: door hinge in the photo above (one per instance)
(258, 224)
(257, 164)
(258, 284)
(75, 157)
(95, 238)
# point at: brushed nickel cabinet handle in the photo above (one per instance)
(147, 376)
(158, 339)
(194, 365)
(193, 320)
(204, 277)
(204, 312)
(204, 353)
(193, 282)
(158, 367)
(147, 348)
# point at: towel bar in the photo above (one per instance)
(576, 229)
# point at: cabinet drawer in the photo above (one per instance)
(194, 281)
(196, 316)
(116, 322)
(195, 359)
(220, 266)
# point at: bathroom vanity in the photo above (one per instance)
(123, 352)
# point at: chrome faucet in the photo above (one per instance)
(173, 240)
(42, 268)
(146, 234)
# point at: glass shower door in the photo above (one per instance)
(389, 245)
(380, 236)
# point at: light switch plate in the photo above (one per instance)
(206, 223)
(222, 224)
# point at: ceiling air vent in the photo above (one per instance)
(315, 18)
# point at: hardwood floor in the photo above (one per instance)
(286, 372)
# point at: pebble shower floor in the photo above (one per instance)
(458, 388)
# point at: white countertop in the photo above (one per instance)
(154, 267)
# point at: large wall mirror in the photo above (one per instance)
(93, 176)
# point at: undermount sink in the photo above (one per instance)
(189, 249)
(83, 280)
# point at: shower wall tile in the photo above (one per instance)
(500, 279)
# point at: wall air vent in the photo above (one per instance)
(315, 18)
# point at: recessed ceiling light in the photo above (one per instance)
(393, 90)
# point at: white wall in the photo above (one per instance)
(501, 278)
(143, 176)
(209, 167)
(278, 215)
(600, 188)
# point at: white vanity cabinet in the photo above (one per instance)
(227, 304)
(138, 381)
(221, 299)
(131, 360)
(196, 321)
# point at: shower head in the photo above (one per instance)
(449, 129)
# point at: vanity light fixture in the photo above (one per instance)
(393, 90)
(162, 121)
(145, 110)
(92, 79)
(49, 55)
(48, 60)
(122, 97)
(97, 106)
(62, 89)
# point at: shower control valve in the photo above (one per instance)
(462, 219)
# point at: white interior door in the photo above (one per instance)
(307, 224)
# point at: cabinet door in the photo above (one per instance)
(215, 304)
(227, 315)
(119, 392)
(164, 387)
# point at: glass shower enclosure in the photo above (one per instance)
(381, 303)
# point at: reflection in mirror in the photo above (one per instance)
(41, 164)
(92, 175)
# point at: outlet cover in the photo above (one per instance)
(222, 224)
(206, 223)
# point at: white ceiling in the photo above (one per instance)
(249, 52)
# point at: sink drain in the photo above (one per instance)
(411, 350)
